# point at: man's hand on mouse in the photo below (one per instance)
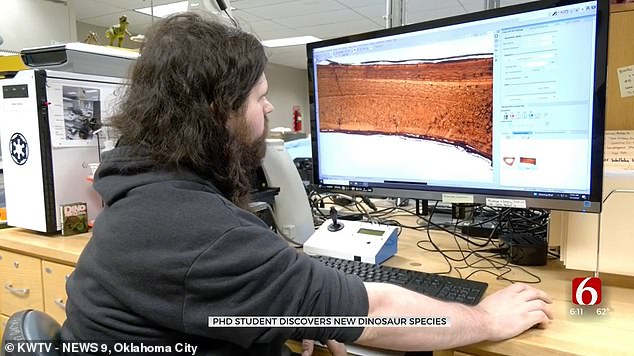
(517, 302)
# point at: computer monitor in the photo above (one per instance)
(502, 107)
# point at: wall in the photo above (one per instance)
(31, 23)
(619, 113)
(287, 87)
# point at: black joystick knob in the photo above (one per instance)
(335, 226)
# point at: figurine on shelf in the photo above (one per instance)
(91, 38)
(118, 31)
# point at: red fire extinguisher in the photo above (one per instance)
(297, 120)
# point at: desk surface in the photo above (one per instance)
(567, 334)
(587, 334)
(63, 249)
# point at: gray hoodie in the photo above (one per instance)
(169, 250)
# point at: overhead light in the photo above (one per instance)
(164, 10)
(290, 41)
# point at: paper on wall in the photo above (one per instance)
(626, 80)
(619, 150)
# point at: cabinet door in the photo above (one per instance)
(54, 276)
(20, 283)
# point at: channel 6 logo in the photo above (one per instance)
(586, 291)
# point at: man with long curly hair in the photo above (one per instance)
(174, 244)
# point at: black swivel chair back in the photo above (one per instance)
(34, 326)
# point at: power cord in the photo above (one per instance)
(257, 206)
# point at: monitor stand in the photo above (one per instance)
(464, 214)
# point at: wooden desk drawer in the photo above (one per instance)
(20, 283)
(3, 323)
(54, 276)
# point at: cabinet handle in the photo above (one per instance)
(60, 303)
(21, 292)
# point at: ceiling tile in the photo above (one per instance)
(472, 5)
(92, 8)
(337, 18)
(351, 28)
(263, 26)
(433, 14)
(245, 16)
(274, 35)
(362, 3)
(296, 8)
(420, 6)
(248, 4)
(374, 13)
(134, 4)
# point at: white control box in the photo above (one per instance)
(360, 241)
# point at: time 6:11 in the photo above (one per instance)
(576, 311)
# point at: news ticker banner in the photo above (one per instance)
(325, 321)
(21, 347)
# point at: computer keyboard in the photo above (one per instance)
(436, 286)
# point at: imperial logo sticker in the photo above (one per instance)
(19, 149)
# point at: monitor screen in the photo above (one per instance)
(502, 107)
